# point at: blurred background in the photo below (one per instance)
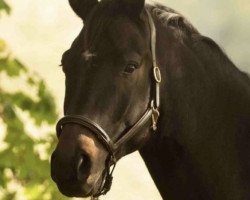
(33, 36)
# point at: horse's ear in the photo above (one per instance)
(133, 7)
(82, 7)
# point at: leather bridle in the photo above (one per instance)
(151, 114)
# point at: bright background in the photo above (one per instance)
(39, 31)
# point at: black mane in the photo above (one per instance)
(170, 18)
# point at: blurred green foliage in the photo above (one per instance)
(22, 165)
(4, 7)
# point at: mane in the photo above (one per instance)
(170, 18)
(197, 69)
(200, 45)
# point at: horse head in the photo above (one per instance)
(108, 100)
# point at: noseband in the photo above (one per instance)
(151, 115)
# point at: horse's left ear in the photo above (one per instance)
(132, 7)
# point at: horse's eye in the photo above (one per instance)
(130, 68)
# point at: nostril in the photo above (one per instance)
(83, 167)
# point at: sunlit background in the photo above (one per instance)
(38, 32)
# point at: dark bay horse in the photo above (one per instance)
(201, 147)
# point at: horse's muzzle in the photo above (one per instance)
(78, 162)
(72, 181)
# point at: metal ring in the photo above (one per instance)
(157, 74)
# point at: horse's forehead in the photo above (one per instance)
(127, 35)
(102, 35)
(124, 27)
(119, 28)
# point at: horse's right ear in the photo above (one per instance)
(82, 7)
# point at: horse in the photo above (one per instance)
(141, 77)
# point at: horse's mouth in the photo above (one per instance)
(76, 189)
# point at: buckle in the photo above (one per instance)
(155, 116)
(157, 74)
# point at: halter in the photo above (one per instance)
(152, 114)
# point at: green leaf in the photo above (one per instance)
(9, 196)
(31, 81)
(12, 67)
(34, 191)
(2, 45)
(22, 101)
(4, 7)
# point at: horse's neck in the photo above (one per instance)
(209, 166)
(201, 149)
(174, 175)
